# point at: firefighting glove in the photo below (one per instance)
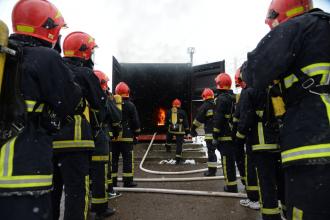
(193, 133)
(215, 143)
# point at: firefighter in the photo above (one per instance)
(297, 53)
(124, 143)
(100, 157)
(74, 143)
(239, 146)
(204, 116)
(259, 123)
(26, 159)
(176, 121)
(251, 182)
(222, 138)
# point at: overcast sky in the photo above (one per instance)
(162, 30)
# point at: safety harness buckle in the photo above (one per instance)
(308, 83)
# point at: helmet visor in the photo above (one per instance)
(272, 14)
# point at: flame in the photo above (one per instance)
(161, 117)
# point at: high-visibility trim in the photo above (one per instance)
(261, 136)
(260, 113)
(212, 164)
(99, 200)
(100, 158)
(252, 188)
(265, 147)
(127, 174)
(132, 162)
(235, 119)
(176, 132)
(311, 70)
(178, 155)
(225, 138)
(106, 180)
(228, 116)
(216, 130)
(233, 183)
(7, 157)
(110, 181)
(115, 124)
(77, 127)
(228, 183)
(114, 174)
(110, 134)
(25, 181)
(297, 214)
(259, 190)
(69, 53)
(197, 123)
(208, 136)
(137, 130)
(270, 211)
(30, 104)
(294, 11)
(326, 101)
(73, 144)
(306, 152)
(240, 135)
(86, 196)
(209, 113)
(94, 110)
(246, 170)
(121, 139)
(25, 28)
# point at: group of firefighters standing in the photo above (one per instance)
(61, 128)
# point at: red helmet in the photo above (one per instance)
(223, 81)
(207, 94)
(122, 89)
(238, 79)
(79, 44)
(103, 79)
(176, 103)
(37, 18)
(281, 10)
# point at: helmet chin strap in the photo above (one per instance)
(89, 63)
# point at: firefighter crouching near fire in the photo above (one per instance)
(243, 138)
(100, 157)
(204, 116)
(46, 87)
(222, 133)
(124, 143)
(74, 143)
(297, 53)
(176, 121)
(259, 123)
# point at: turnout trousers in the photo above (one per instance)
(126, 150)
(71, 170)
(226, 149)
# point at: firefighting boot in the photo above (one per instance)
(211, 172)
(168, 148)
(178, 161)
(232, 189)
(107, 213)
(114, 181)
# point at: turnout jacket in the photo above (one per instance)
(26, 160)
(130, 123)
(257, 121)
(176, 121)
(224, 104)
(77, 133)
(299, 45)
(204, 116)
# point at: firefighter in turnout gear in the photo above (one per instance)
(239, 146)
(176, 121)
(297, 53)
(74, 143)
(100, 157)
(26, 168)
(124, 143)
(222, 133)
(258, 122)
(204, 116)
(241, 139)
